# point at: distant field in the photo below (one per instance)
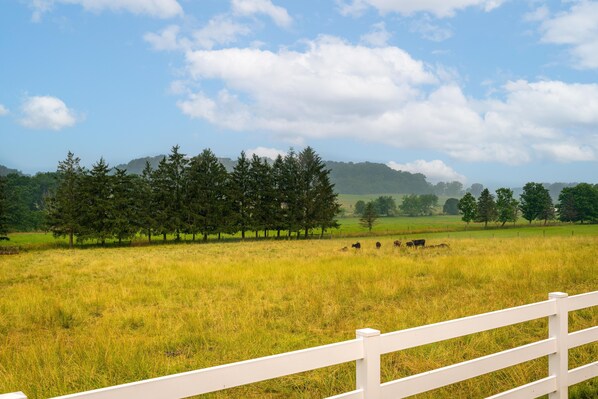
(84, 319)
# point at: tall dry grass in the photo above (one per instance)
(84, 319)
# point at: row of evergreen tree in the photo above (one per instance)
(578, 203)
(194, 196)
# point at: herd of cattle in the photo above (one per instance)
(420, 243)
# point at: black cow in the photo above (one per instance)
(4, 239)
(416, 243)
(378, 245)
(397, 243)
(357, 245)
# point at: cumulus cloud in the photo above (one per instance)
(153, 8)
(3, 110)
(220, 30)
(377, 37)
(578, 29)
(46, 112)
(439, 8)
(263, 152)
(435, 171)
(278, 14)
(335, 89)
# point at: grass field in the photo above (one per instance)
(84, 319)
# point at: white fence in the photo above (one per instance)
(369, 345)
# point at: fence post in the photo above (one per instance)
(558, 363)
(368, 368)
(14, 395)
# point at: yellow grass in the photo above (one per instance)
(84, 319)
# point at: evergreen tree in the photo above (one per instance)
(486, 208)
(3, 208)
(176, 208)
(369, 217)
(98, 209)
(536, 203)
(278, 211)
(207, 194)
(290, 188)
(261, 195)
(468, 208)
(65, 205)
(318, 203)
(239, 192)
(125, 209)
(161, 197)
(506, 206)
(146, 202)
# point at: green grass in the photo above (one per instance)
(84, 319)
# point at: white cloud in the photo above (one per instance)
(566, 152)
(333, 89)
(3, 110)
(439, 8)
(46, 112)
(430, 31)
(279, 15)
(153, 8)
(435, 171)
(263, 152)
(577, 28)
(377, 37)
(539, 14)
(220, 30)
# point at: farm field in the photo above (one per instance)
(85, 319)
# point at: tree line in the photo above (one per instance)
(195, 196)
(577, 203)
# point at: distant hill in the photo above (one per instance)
(372, 178)
(348, 177)
(4, 171)
(136, 166)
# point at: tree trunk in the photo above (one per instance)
(71, 239)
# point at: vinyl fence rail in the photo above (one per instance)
(369, 345)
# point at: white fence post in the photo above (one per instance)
(368, 368)
(558, 363)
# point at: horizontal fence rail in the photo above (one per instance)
(366, 351)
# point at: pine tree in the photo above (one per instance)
(207, 194)
(486, 208)
(291, 190)
(239, 193)
(468, 208)
(318, 202)
(64, 207)
(176, 208)
(277, 220)
(506, 206)
(125, 210)
(261, 195)
(97, 211)
(146, 201)
(161, 197)
(3, 208)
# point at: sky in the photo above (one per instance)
(498, 92)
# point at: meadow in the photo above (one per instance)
(73, 320)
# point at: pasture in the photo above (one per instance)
(88, 318)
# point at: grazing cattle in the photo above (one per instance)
(357, 245)
(4, 239)
(397, 243)
(378, 245)
(443, 245)
(416, 243)
(344, 249)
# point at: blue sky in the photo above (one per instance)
(500, 92)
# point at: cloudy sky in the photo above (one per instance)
(499, 92)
